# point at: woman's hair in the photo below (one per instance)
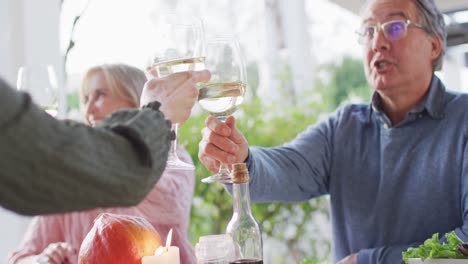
(123, 81)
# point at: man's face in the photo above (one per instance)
(397, 67)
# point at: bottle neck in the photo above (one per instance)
(241, 199)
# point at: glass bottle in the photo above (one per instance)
(243, 228)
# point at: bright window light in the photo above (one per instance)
(461, 17)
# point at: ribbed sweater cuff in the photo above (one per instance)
(134, 125)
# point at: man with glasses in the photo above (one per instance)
(396, 169)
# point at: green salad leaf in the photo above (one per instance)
(433, 249)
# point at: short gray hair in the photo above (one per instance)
(433, 21)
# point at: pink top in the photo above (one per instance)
(166, 206)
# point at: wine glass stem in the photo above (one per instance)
(223, 169)
(175, 128)
(173, 161)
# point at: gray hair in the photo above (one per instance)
(433, 22)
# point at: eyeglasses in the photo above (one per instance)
(392, 30)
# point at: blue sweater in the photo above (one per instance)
(390, 187)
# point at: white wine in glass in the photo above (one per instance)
(40, 82)
(180, 48)
(221, 99)
(225, 91)
(165, 68)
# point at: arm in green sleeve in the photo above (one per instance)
(51, 166)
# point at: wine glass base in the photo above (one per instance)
(177, 164)
(218, 178)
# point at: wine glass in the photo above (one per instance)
(181, 48)
(222, 95)
(40, 81)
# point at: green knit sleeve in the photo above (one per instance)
(51, 166)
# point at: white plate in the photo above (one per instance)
(438, 261)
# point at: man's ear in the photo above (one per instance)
(436, 45)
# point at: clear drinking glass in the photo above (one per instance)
(180, 48)
(221, 96)
(40, 82)
(215, 249)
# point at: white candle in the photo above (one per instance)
(164, 255)
(171, 256)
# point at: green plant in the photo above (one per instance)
(269, 125)
(346, 81)
(212, 206)
(73, 100)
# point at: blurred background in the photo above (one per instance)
(302, 61)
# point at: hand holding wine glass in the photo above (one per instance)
(222, 142)
(177, 93)
(181, 48)
(222, 95)
(40, 82)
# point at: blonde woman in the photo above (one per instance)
(57, 238)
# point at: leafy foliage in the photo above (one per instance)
(432, 248)
(264, 124)
(346, 83)
(73, 100)
(271, 125)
